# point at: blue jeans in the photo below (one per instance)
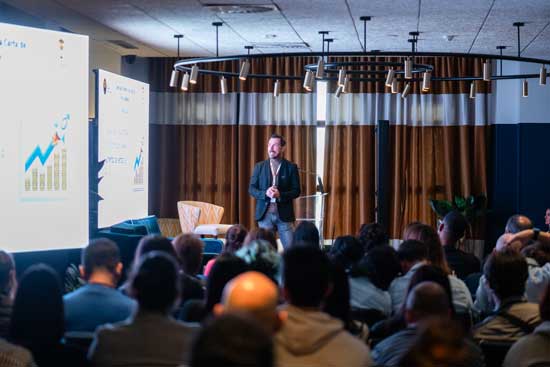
(272, 222)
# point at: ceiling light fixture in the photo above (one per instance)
(542, 75)
(473, 89)
(276, 89)
(406, 91)
(525, 89)
(223, 85)
(185, 82)
(175, 72)
(426, 81)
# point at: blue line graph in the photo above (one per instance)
(137, 162)
(38, 154)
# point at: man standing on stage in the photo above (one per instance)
(274, 184)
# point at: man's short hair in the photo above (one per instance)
(306, 272)
(455, 224)
(517, 223)
(189, 249)
(155, 281)
(233, 340)
(506, 271)
(154, 243)
(6, 267)
(428, 299)
(101, 253)
(280, 137)
(412, 250)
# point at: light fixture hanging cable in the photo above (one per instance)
(175, 73)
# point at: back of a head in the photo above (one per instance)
(100, 254)
(152, 243)
(347, 251)
(261, 234)
(189, 250)
(226, 267)
(506, 271)
(517, 223)
(37, 318)
(427, 299)
(381, 265)
(306, 272)
(234, 238)
(232, 340)
(433, 274)
(306, 232)
(262, 257)
(154, 282)
(7, 267)
(372, 235)
(412, 251)
(455, 225)
(428, 235)
(439, 342)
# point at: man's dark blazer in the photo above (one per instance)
(288, 183)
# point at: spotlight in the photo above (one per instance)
(185, 82)
(245, 68)
(308, 81)
(426, 81)
(276, 89)
(390, 77)
(487, 71)
(320, 68)
(174, 78)
(542, 76)
(406, 91)
(194, 74)
(394, 87)
(408, 68)
(525, 89)
(341, 77)
(473, 89)
(346, 88)
(338, 91)
(223, 85)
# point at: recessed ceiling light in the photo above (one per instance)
(270, 36)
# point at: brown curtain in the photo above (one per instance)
(349, 178)
(435, 163)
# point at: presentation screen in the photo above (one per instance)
(123, 143)
(43, 139)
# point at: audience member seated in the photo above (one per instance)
(425, 301)
(234, 239)
(149, 244)
(441, 342)
(412, 255)
(98, 302)
(517, 223)
(189, 249)
(255, 294)
(425, 273)
(37, 321)
(346, 251)
(533, 348)
(337, 304)
(462, 299)
(261, 234)
(14, 356)
(370, 279)
(151, 337)
(227, 267)
(8, 285)
(505, 273)
(310, 337)
(233, 340)
(451, 232)
(372, 235)
(306, 233)
(260, 256)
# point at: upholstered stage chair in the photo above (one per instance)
(201, 218)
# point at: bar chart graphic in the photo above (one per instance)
(45, 168)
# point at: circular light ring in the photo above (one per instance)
(186, 65)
